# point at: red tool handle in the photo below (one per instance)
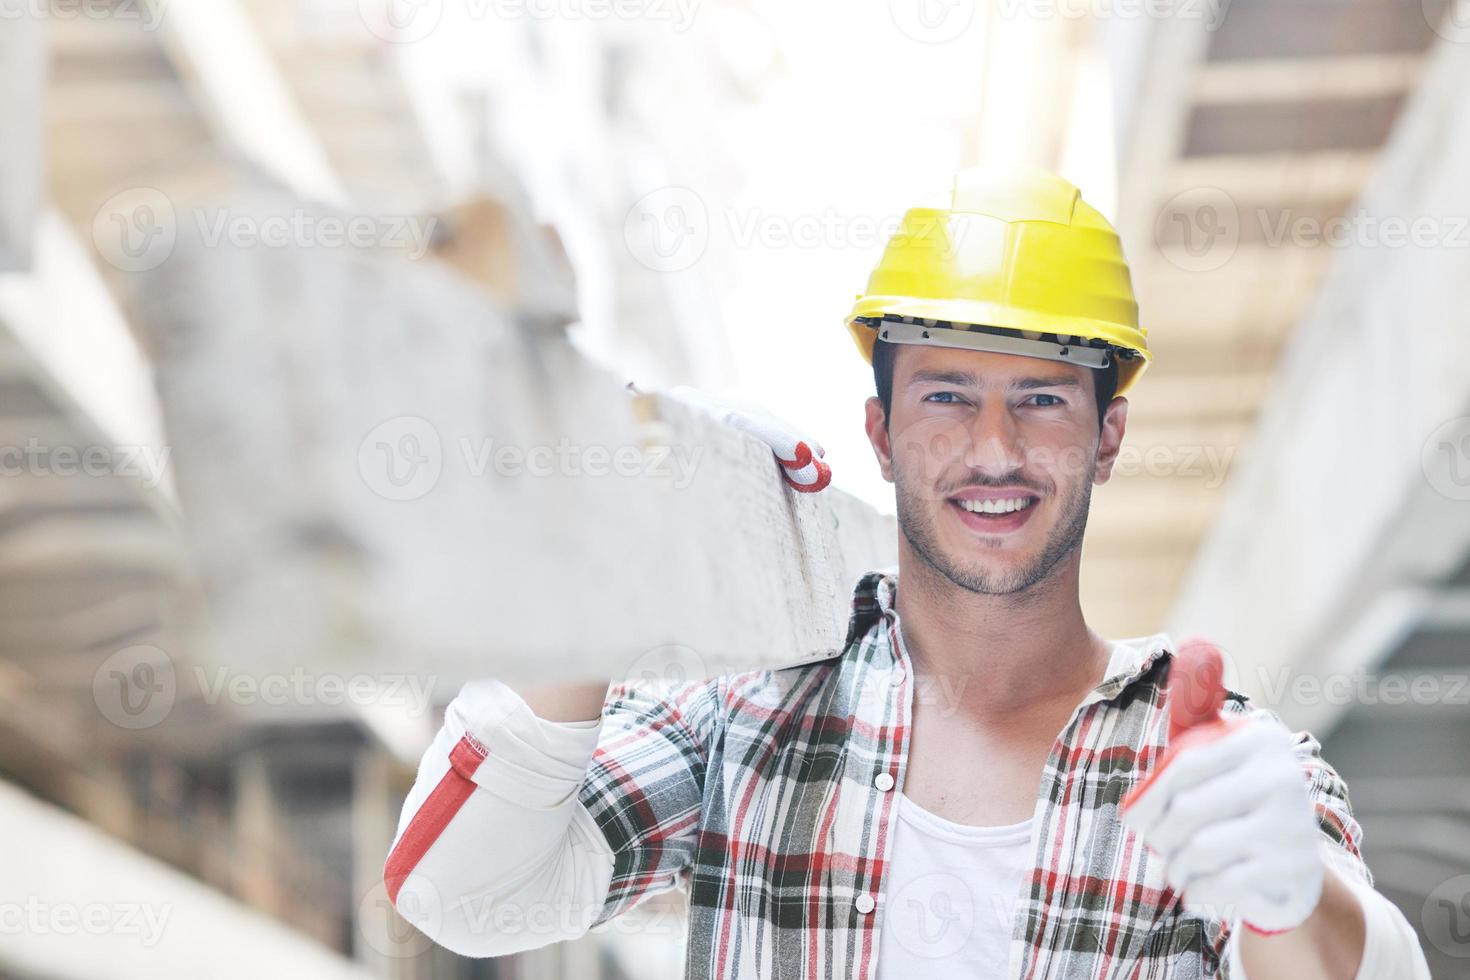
(1195, 692)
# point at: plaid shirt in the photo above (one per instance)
(760, 792)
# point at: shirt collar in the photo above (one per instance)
(1131, 658)
(872, 599)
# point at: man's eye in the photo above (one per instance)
(1055, 400)
(943, 398)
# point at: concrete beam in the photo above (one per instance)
(71, 330)
(1356, 483)
(22, 164)
(1153, 109)
(1306, 79)
(1324, 175)
(383, 475)
(89, 906)
(224, 60)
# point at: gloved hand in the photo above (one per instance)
(1228, 810)
(799, 455)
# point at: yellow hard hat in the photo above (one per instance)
(1018, 263)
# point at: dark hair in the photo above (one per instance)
(1104, 380)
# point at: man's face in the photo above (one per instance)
(993, 457)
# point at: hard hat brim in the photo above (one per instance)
(865, 330)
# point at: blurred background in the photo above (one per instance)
(316, 322)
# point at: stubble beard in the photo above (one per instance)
(1066, 536)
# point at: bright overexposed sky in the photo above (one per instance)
(844, 115)
(861, 123)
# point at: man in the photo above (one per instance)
(946, 794)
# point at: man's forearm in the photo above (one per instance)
(1328, 945)
(566, 702)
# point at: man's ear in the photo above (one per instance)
(877, 426)
(1110, 441)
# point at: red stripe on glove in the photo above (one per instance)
(429, 822)
(805, 458)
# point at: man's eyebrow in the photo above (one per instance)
(944, 378)
(1056, 381)
(966, 378)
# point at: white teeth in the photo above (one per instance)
(995, 506)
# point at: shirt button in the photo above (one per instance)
(883, 781)
(896, 676)
(864, 904)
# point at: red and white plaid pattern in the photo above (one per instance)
(758, 791)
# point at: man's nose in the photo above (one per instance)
(995, 444)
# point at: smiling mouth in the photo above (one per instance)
(996, 507)
(999, 516)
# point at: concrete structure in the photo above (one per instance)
(106, 908)
(179, 728)
(1244, 130)
(22, 169)
(1337, 572)
(420, 485)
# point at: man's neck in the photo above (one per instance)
(997, 656)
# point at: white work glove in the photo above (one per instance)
(800, 455)
(1231, 818)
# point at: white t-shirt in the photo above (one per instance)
(952, 900)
